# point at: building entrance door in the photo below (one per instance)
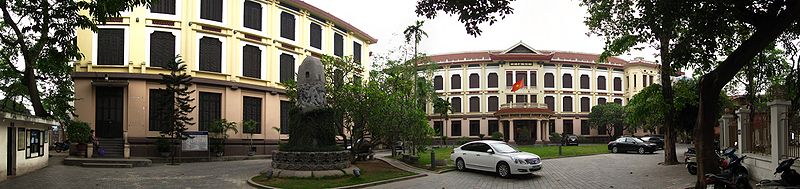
(11, 150)
(109, 112)
(529, 135)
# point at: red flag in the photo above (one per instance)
(518, 85)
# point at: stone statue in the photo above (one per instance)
(311, 85)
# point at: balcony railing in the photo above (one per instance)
(523, 105)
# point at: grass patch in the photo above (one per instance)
(546, 152)
(371, 171)
(442, 153)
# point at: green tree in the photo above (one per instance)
(442, 107)
(471, 13)
(176, 106)
(609, 115)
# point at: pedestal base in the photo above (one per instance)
(305, 174)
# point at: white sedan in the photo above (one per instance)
(495, 156)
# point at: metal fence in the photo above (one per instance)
(759, 134)
(792, 121)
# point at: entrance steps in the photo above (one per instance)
(114, 147)
(107, 165)
(74, 161)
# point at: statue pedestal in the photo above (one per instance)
(283, 173)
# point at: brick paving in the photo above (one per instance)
(597, 171)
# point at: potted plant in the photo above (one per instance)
(250, 127)
(219, 133)
(80, 133)
(163, 146)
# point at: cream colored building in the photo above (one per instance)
(560, 88)
(238, 51)
(25, 144)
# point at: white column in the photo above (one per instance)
(743, 133)
(501, 129)
(510, 131)
(539, 131)
(777, 128)
(725, 130)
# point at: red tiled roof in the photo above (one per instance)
(321, 13)
(585, 57)
(550, 55)
(459, 56)
(523, 110)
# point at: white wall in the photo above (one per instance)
(3, 151)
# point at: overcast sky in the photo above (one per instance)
(542, 24)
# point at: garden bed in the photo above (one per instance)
(371, 171)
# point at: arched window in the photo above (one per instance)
(455, 81)
(567, 105)
(493, 104)
(549, 80)
(438, 82)
(551, 102)
(601, 82)
(492, 80)
(566, 79)
(474, 81)
(584, 81)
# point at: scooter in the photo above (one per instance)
(61, 146)
(789, 177)
(691, 159)
(733, 176)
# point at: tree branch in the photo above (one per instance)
(10, 22)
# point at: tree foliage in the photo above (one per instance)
(175, 107)
(609, 115)
(470, 12)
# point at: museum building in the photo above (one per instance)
(238, 52)
(559, 88)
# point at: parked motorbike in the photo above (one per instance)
(691, 159)
(789, 177)
(733, 175)
(62, 146)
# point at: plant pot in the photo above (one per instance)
(80, 150)
(219, 154)
(164, 154)
(251, 153)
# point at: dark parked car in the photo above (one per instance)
(571, 140)
(655, 140)
(626, 144)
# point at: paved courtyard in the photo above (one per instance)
(598, 171)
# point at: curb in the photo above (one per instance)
(257, 185)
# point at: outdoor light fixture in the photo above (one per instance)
(357, 172)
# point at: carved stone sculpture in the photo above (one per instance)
(311, 85)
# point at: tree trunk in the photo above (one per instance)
(707, 161)
(29, 79)
(670, 157)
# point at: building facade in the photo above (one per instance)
(238, 51)
(559, 90)
(25, 146)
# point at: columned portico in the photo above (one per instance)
(530, 117)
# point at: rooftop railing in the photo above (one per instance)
(523, 105)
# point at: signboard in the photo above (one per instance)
(197, 141)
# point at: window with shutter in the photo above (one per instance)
(437, 128)
(287, 68)
(160, 103)
(585, 104)
(567, 105)
(338, 45)
(568, 127)
(251, 110)
(651, 80)
(566, 79)
(285, 106)
(163, 7)
(455, 128)
(474, 81)
(252, 15)
(110, 46)
(251, 60)
(162, 48)
(474, 127)
(644, 81)
(211, 10)
(551, 125)
(617, 84)
(438, 82)
(315, 35)
(455, 104)
(551, 102)
(455, 81)
(522, 99)
(493, 104)
(510, 79)
(585, 127)
(474, 104)
(509, 98)
(356, 52)
(584, 81)
(601, 100)
(210, 54)
(549, 80)
(492, 80)
(634, 81)
(601, 82)
(533, 79)
(210, 109)
(494, 127)
(522, 75)
(533, 98)
(618, 101)
(287, 25)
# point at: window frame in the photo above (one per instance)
(496, 106)
(162, 16)
(477, 82)
(200, 117)
(565, 81)
(260, 113)
(360, 49)
(148, 42)
(460, 83)
(278, 60)
(150, 127)
(321, 34)
(198, 7)
(453, 105)
(552, 80)
(441, 83)
(477, 124)
(455, 127)
(564, 104)
(476, 106)
(262, 63)
(335, 48)
(296, 16)
(125, 48)
(223, 58)
(489, 80)
(264, 15)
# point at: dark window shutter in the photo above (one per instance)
(437, 128)
(211, 10)
(162, 48)
(110, 46)
(533, 79)
(338, 45)
(455, 128)
(210, 54)
(601, 82)
(651, 80)
(251, 60)
(356, 52)
(634, 81)
(618, 101)
(509, 98)
(601, 101)
(533, 98)
(568, 127)
(549, 80)
(585, 104)
(210, 109)
(522, 76)
(455, 82)
(285, 106)
(438, 82)
(287, 25)
(566, 79)
(474, 104)
(585, 127)
(567, 106)
(584, 81)
(455, 104)
(617, 84)
(252, 15)
(316, 35)
(287, 68)
(510, 79)
(474, 127)
(494, 127)
(163, 7)
(160, 103)
(522, 99)
(252, 111)
(492, 80)
(474, 81)
(493, 104)
(551, 102)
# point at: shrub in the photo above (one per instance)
(480, 136)
(555, 137)
(497, 136)
(463, 140)
(79, 132)
(162, 144)
(524, 135)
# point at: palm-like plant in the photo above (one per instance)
(442, 107)
(277, 129)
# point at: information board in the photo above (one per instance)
(197, 141)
